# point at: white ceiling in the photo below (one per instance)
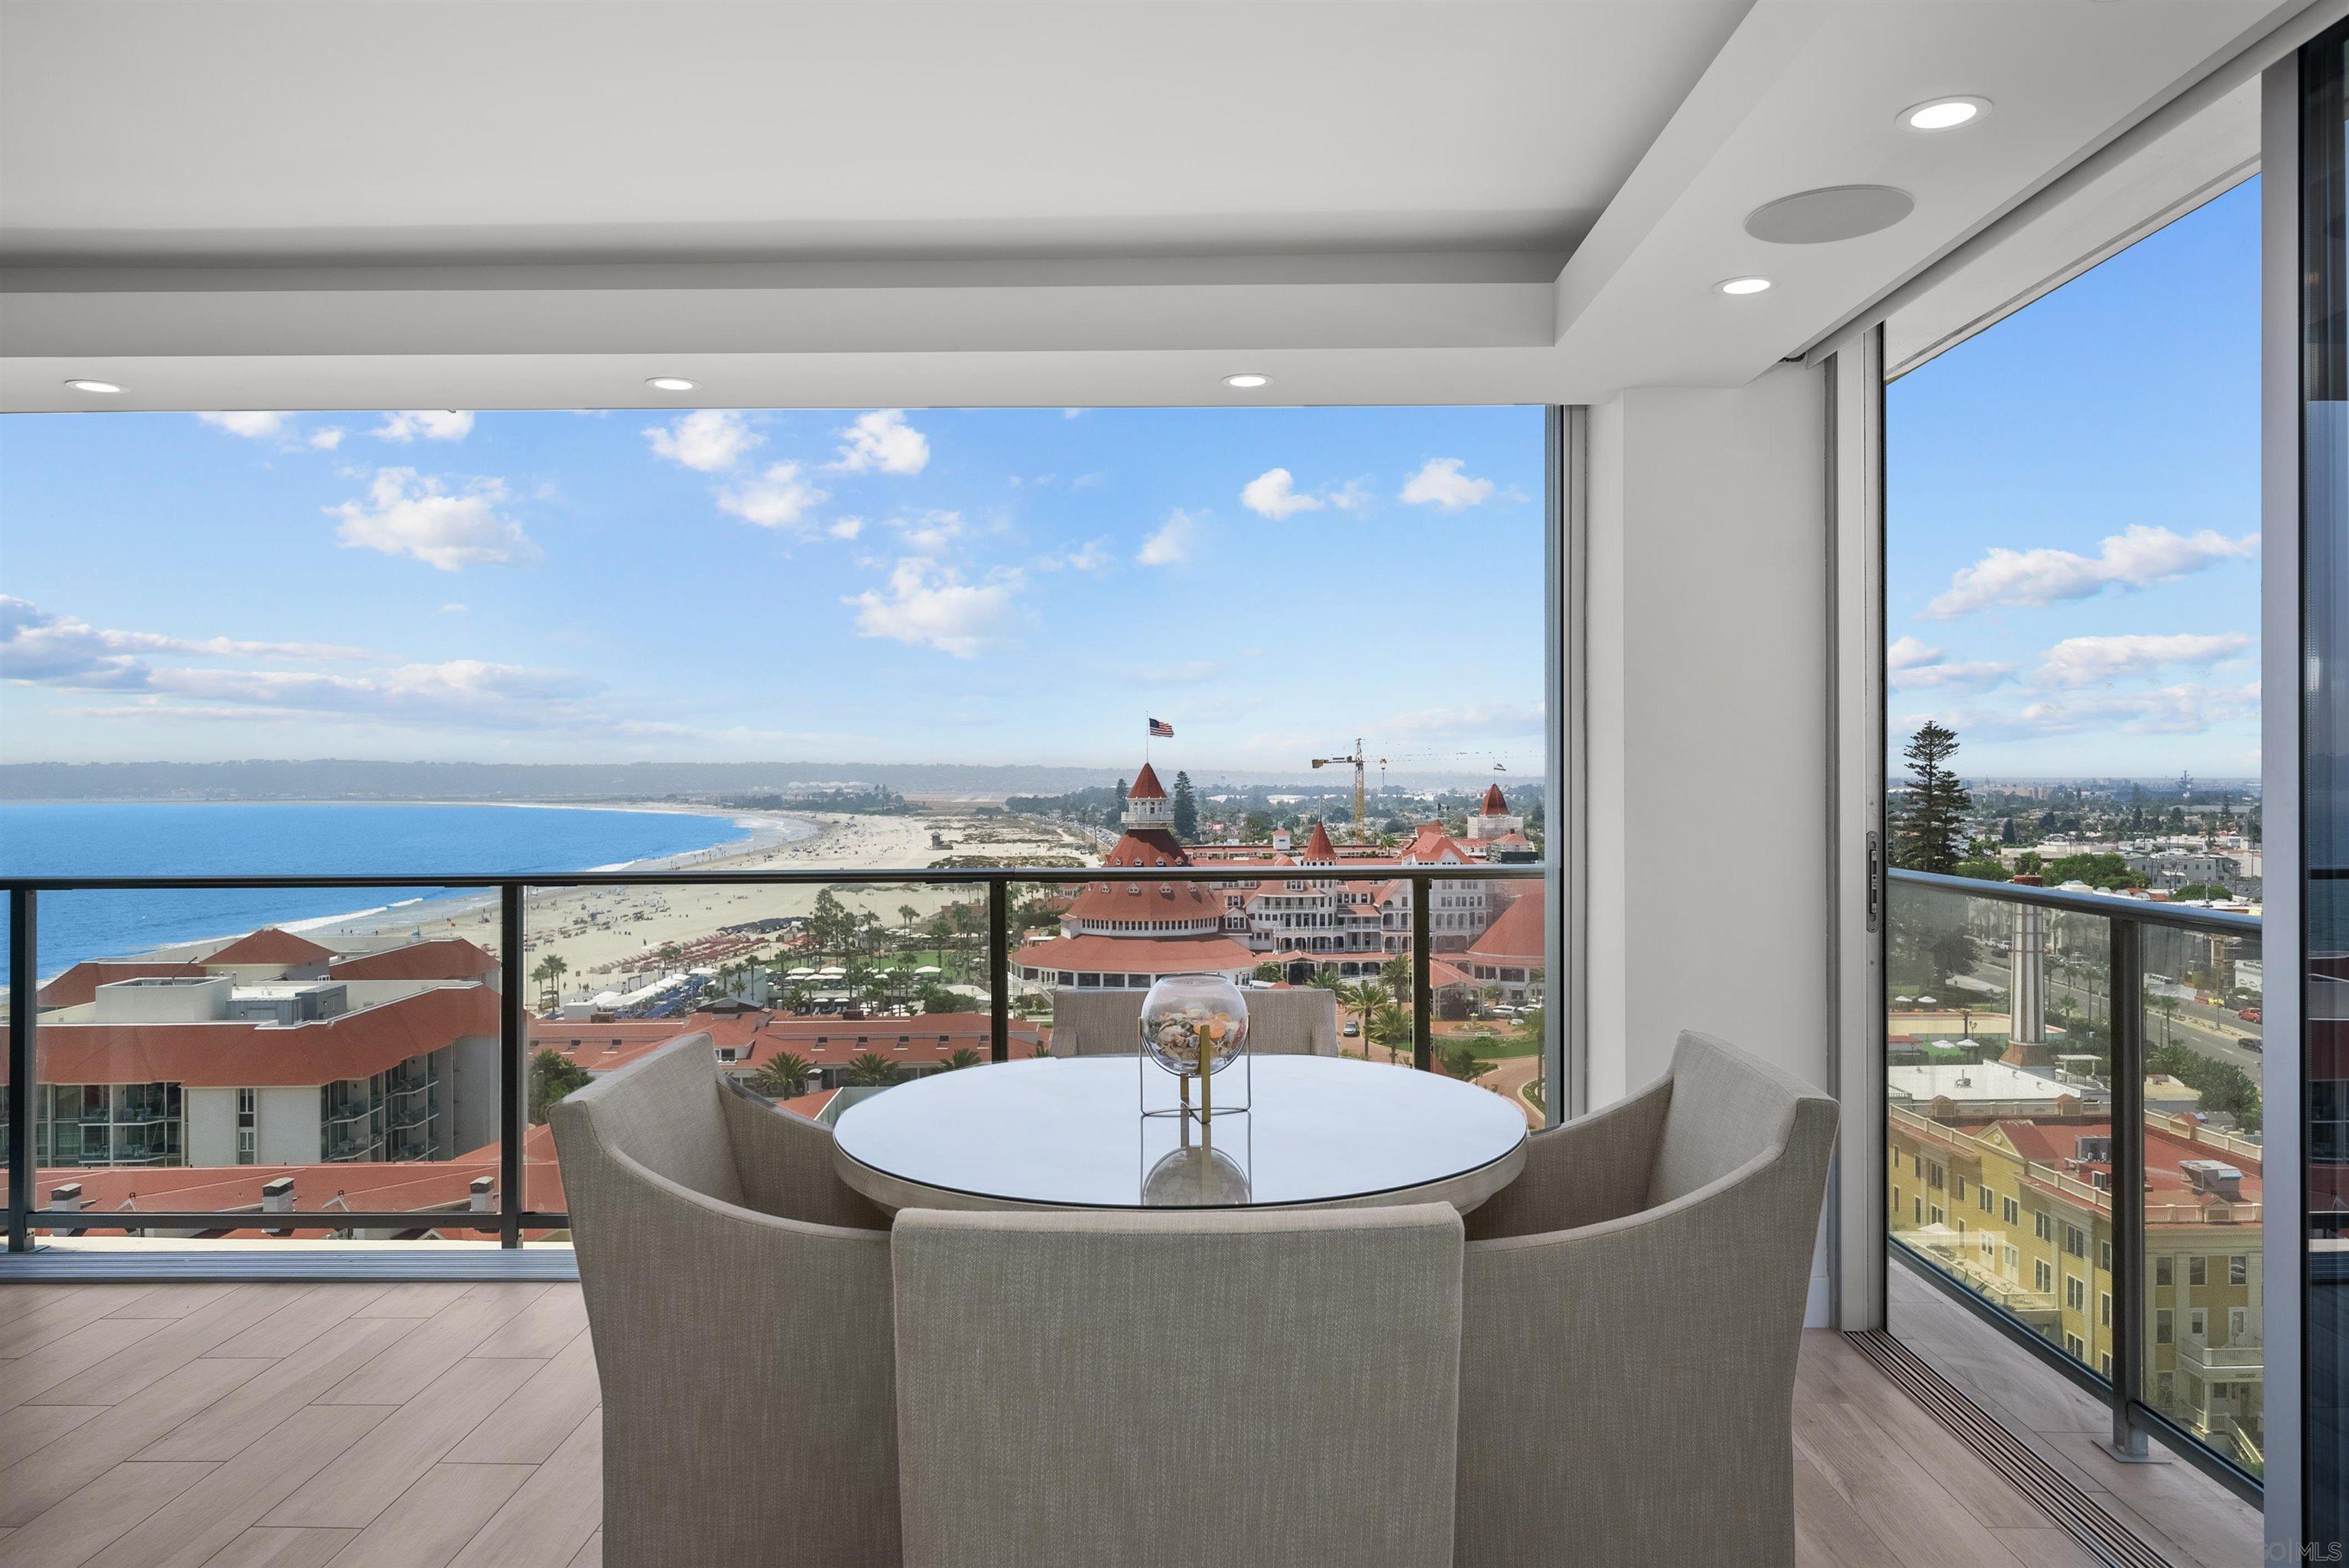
(522, 202)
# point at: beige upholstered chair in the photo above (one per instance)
(1302, 1022)
(1273, 1388)
(737, 1294)
(1632, 1312)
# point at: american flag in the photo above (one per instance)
(1161, 730)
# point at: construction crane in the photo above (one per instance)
(1361, 802)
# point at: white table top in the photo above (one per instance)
(1070, 1134)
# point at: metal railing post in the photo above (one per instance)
(2124, 974)
(1422, 1001)
(514, 1110)
(23, 1019)
(998, 967)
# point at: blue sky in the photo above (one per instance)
(2072, 528)
(891, 585)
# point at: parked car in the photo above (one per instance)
(1353, 1028)
(2249, 1042)
(2248, 1015)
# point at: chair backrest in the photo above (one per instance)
(662, 1111)
(1247, 1387)
(1727, 1106)
(721, 1330)
(1091, 1023)
(1302, 1022)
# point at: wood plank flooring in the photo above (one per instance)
(2188, 1518)
(420, 1426)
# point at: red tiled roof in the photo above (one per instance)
(1430, 843)
(1517, 937)
(239, 1055)
(1148, 847)
(2055, 1143)
(1146, 786)
(756, 1038)
(443, 958)
(1495, 806)
(270, 945)
(78, 986)
(1146, 901)
(1138, 955)
(1316, 848)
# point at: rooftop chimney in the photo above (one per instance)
(277, 1195)
(66, 1195)
(482, 1194)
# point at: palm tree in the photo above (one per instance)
(549, 975)
(1392, 1027)
(784, 1077)
(1362, 998)
(1396, 973)
(869, 1071)
(962, 1057)
(908, 913)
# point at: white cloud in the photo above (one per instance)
(1351, 496)
(882, 442)
(2188, 708)
(2094, 661)
(43, 646)
(707, 439)
(1174, 543)
(1440, 483)
(1090, 556)
(452, 609)
(328, 438)
(930, 606)
(845, 528)
(2139, 555)
(1073, 413)
(431, 424)
(407, 513)
(1910, 664)
(254, 424)
(779, 498)
(927, 533)
(1273, 494)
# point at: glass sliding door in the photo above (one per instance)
(2324, 808)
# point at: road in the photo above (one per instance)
(2207, 1031)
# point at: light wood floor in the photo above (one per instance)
(211, 1426)
(2189, 1519)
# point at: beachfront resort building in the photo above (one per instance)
(271, 1050)
(1307, 914)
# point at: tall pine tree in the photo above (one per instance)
(1930, 834)
(1186, 810)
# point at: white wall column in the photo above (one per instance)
(1708, 736)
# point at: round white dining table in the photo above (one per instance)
(1070, 1134)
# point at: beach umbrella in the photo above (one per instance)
(929, 969)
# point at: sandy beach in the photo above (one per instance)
(608, 937)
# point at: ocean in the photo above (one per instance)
(272, 840)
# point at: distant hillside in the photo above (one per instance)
(331, 779)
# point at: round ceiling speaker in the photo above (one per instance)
(1834, 213)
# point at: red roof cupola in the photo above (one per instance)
(1146, 786)
(1495, 806)
(1317, 847)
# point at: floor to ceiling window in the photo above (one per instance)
(781, 642)
(2075, 1133)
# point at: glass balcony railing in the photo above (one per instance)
(816, 987)
(2073, 1140)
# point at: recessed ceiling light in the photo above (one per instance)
(1740, 285)
(1943, 114)
(670, 384)
(1248, 380)
(93, 386)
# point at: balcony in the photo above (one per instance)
(2220, 1363)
